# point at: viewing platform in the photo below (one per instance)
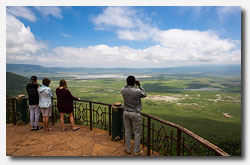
(20, 141)
(99, 123)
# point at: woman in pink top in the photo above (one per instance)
(65, 104)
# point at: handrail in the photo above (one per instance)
(189, 133)
(161, 120)
(95, 102)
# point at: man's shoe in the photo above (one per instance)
(138, 153)
(32, 128)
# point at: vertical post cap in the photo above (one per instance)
(20, 96)
(117, 105)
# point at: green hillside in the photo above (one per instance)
(16, 84)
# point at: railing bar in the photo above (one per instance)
(110, 120)
(178, 145)
(171, 144)
(105, 116)
(90, 116)
(74, 110)
(7, 111)
(94, 102)
(143, 132)
(149, 136)
(13, 112)
(53, 115)
(161, 120)
(153, 139)
(94, 115)
(183, 146)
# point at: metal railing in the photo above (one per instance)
(11, 111)
(171, 139)
(157, 135)
(90, 113)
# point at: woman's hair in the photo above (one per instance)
(46, 82)
(63, 84)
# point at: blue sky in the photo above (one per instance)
(123, 36)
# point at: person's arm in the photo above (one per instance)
(142, 92)
(50, 92)
(27, 90)
(70, 96)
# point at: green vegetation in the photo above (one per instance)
(15, 84)
(211, 113)
(208, 105)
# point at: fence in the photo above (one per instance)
(158, 135)
(90, 113)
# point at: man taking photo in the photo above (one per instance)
(131, 116)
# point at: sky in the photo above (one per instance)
(130, 37)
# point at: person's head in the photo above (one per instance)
(131, 80)
(33, 79)
(63, 83)
(46, 82)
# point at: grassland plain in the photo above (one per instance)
(210, 106)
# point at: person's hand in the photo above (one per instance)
(79, 98)
(137, 82)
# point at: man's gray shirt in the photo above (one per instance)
(132, 98)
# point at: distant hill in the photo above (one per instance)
(16, 84)
(29, 70)
(26, 68)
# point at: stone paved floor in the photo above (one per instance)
(20, 141)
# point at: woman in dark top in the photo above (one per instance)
(33, 103)
(65, 104)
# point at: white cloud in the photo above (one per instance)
(180, 47)
(20, 41)
(173, 47)
(132, 35)
(206, 41)
(50, 10)
(27, 13)
(130, 25)
(144, 32)
(127, 22)
(21, 44)
(65, 35)
(123, 56)
(115, 17)
(23, 12)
